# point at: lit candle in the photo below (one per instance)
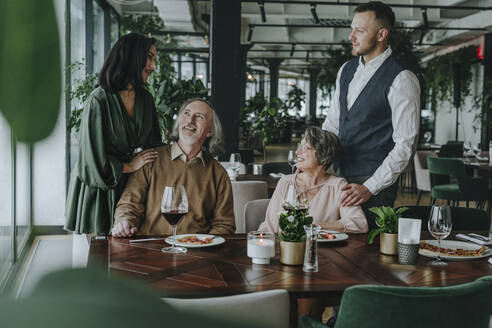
(261, 247)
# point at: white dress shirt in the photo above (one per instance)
(404, 100)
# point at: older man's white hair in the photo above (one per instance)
(215, 144)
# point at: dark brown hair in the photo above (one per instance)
(384, 13)
(125, 63)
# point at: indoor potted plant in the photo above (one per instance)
(387, 221)
(292, 235)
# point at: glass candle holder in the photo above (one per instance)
(261, 246)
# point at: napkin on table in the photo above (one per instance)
(409, 230)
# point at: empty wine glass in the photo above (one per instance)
(235, 163)
(291, 159)
(440, 226)
(174, 206)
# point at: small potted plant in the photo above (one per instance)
(387, 221)
(292, 235)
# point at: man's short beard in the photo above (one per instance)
(363, 52)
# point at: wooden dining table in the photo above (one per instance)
(226, 270)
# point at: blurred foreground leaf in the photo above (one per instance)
(30, 78)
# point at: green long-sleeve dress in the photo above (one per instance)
(108, 137)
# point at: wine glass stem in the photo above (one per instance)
(174, 236)
(438, 250)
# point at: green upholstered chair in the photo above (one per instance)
(466, 305)
(465, 189)
(85, 298)
(463, 218)
(368, 306)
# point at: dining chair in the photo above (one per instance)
(242, 193)
(465, 305)
(422, 175)
(86, 297)
(463, 218)
(465, 189)
(254, 213)
(269, 308)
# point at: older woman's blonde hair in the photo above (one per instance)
(327, 146)
(214, 144)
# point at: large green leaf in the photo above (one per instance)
(30, 70)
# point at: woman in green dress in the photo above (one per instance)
(118, 122)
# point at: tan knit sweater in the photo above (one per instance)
(208, 188)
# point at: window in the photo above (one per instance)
(22, 194)
(78, 55)
(98, 37)
(115, 27)
(201, 71)
(6, 198)
(186, 68)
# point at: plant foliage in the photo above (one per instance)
(142, 24)
(386, 220)
(81, 89)
(295, 98)
(438, 86)
(292, 220)
(483, 102)
(170, 96)
(30, 68)
(401, 46)
(270, 118)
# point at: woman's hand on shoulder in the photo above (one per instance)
(139, 160)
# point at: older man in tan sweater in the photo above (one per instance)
(207, 184)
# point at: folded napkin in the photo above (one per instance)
(473, 239)
(409, 230)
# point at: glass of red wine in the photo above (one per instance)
(174, 206)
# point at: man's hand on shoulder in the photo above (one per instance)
(124, 229)
(355, 194)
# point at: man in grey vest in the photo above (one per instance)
(375, 112)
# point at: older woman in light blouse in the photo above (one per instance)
(322, 191)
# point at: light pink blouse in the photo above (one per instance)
(324, 207)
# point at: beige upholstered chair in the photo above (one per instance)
(269, 308)
(422, 172)
(243, 192)
(254, 213)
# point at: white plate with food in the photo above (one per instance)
(453, 250)
(331, 235)
(195, 240)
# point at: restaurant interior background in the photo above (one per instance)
(290, 50)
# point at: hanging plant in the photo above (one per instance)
(438, 76)
(142, 24)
